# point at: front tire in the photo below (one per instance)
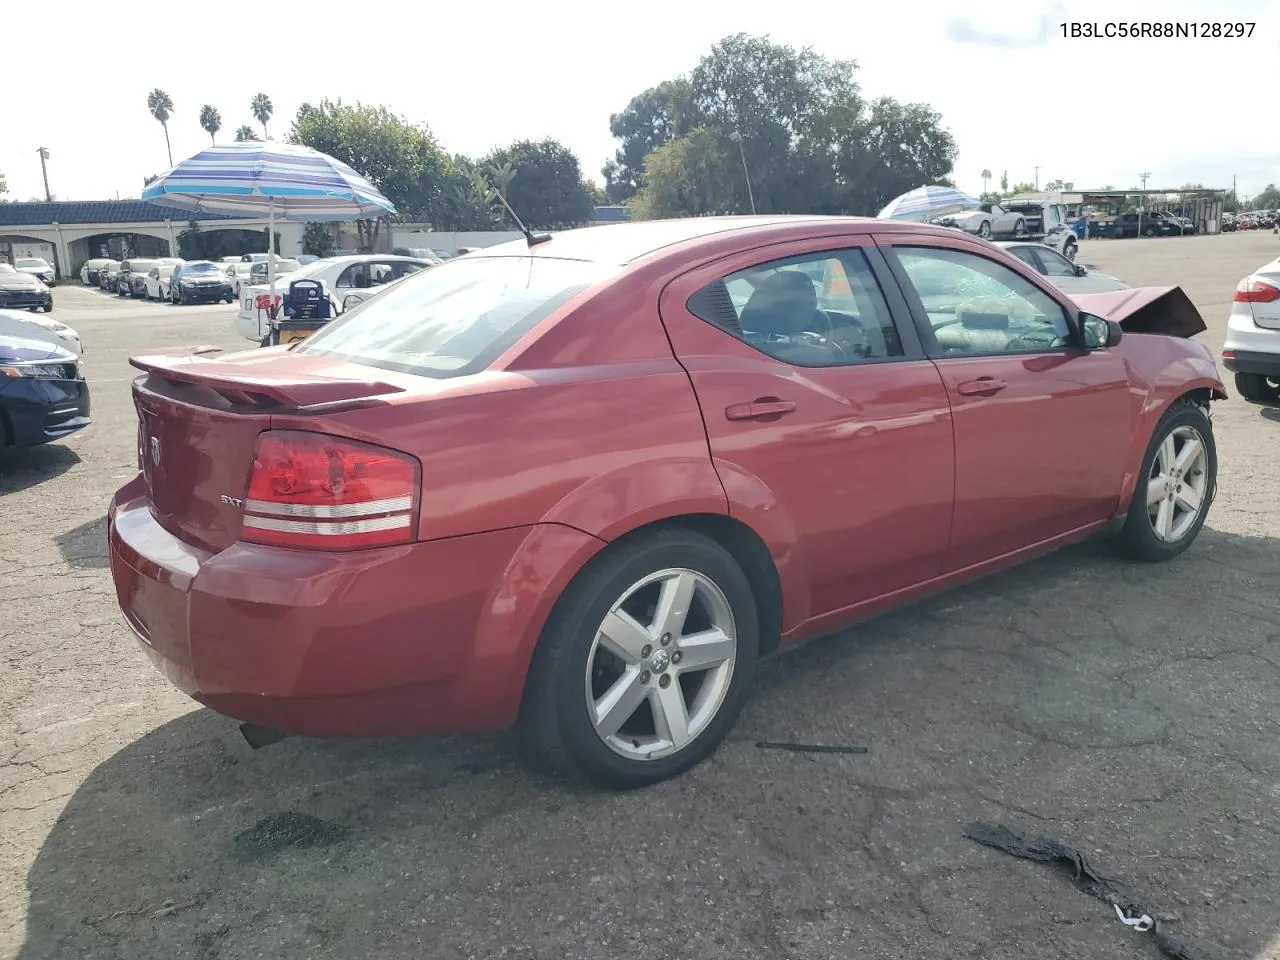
(1257, 388)
(645, 662)
(1019, 227)
(1175, 486)
(1070, 250)
(984, 229)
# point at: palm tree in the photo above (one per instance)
(245, 132)
(211, 120)
(161, 108)
(985, 175)
(262, 108)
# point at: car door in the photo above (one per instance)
(829, 428)
(1042, 425)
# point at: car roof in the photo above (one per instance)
(623, 243)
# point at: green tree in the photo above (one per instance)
(245, 132)
(401, 160)
(687, 176)
(467, 199)
(986, 176)
(317, 239)
(545, 187)
(262, 108)
(161, 107)
(4, 184)
(652, 118)
(800, 135)
(1004, 182)
(211, 120)
(1268, 199)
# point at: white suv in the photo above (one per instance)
(1252, 350)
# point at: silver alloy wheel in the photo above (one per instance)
(661, 664)
(1177, 484)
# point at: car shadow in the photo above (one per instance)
(979, 702)
(24, 467)
(85, 546)
(1271, 413)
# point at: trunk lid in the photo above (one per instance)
(1166, 310)
(199, 415)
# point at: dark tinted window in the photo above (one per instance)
(820, 309)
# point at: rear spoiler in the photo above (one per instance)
(1165, 310)
(255, 381)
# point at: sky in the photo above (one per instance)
(1014, 93)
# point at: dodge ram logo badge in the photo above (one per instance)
(155, 451)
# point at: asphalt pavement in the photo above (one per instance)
(1127, 711)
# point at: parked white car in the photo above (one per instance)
(36, 266)
(258, 271)
(158, 281)
(991, 220)
(1068, 277)
(1252, 347)
(89, 272)
(59, 329)
(347, 279)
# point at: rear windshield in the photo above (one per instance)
(457, 318)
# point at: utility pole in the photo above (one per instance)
(1037, 169)
(1143, 177)
(44, 155)
(745, 172)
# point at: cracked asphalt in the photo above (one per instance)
(1128, 711)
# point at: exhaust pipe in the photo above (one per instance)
(258, 736)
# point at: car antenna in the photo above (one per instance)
(530, 237)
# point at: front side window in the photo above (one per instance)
(976, 306)
(457, 318)
(822, 309)
(1055, 265)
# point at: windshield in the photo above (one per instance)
(454, 319)
(200, 268)
(31, 262)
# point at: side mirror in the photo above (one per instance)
(350, 300)
(1099, 332)
(1081, 271)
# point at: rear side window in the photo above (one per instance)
(822, 309)
(457, 318)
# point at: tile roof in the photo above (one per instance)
(95, 211)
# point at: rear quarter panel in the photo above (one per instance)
(595, 427)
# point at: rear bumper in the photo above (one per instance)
(40, 411)
(1252, 349)
(430, 637)
(1263, 364)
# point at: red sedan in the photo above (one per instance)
(582, 485)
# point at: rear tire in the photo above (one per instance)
(1259, 389)
(574, 674)
(1175, 487)
(984, 229)
(1070, 250)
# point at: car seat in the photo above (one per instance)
(781, 308)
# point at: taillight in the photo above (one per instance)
(317, 491)
(1256, 291)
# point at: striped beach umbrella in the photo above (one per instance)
(925, 203)
(283, 180)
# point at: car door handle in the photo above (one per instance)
(761, 408)
(981, 387)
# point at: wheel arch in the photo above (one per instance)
(736, 537)
(1201, 393)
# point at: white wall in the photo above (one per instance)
(406, 235)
